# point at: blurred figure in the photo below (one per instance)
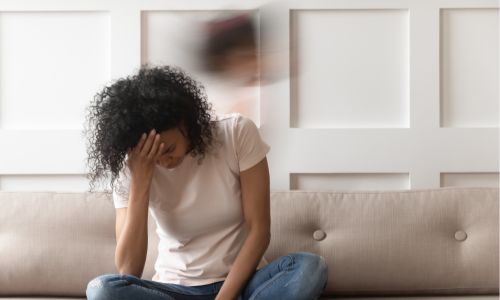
(230, 49)
(228, 55)
(236, 59)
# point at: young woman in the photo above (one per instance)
(205, 180)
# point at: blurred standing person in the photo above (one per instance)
(230, 55)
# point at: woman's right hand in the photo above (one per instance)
(142, 158)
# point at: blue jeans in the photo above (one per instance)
(297, 276)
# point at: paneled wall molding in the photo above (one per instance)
(393, 94)
(31, 152)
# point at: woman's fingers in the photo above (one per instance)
(143, 156)
(154, 149)
(148, 143)
(140, 143)
(159, 152)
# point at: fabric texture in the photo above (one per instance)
(197, 207)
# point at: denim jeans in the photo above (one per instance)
(297, 276)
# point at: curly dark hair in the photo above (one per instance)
(159, 98)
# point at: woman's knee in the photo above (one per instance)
(102, 286)
(313, 269)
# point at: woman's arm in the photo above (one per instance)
(255, 195)
(132, 242)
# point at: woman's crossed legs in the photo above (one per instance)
(297, 276)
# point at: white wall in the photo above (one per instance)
(375, 94)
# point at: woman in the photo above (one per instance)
(205, 180)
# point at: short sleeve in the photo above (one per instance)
(121, 188)
(250, 148)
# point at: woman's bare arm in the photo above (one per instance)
(132, 223)
(256, 209)
(132, 242)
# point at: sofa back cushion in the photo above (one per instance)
(439, 241)
(55, 243)
(415, 242)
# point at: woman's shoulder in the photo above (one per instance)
(233, 120)
(225, 123)
(227, 117)
(227, 128)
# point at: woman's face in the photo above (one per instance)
(175, 147)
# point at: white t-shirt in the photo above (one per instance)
(198, 208)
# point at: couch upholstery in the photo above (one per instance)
(435, 243)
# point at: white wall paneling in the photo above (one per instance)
(350, 68)
(314, 138)
(470, 179)
(328, 182)
(423, 153)
(469, 67)
(51, 63)
(373, 94)
(60, 183)
(41, 152)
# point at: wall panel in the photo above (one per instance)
(351, 68)
(469, 67)
(51, 64)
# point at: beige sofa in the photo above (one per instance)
(430, 244)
